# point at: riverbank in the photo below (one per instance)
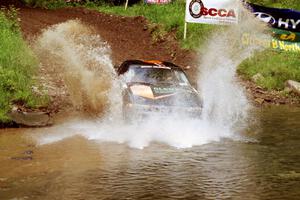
(18, 69)
(137, 31)
(275, 67)
(143, 41)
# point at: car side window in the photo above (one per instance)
(182, 79)
(128, 76)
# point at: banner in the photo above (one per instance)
(254, 40)
(157, 1)
(286, 35)
(286, 19)
(211, 11)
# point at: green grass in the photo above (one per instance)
(49, 4)
(292, 4)
(169, 17)
(17, 67)
(276, 68)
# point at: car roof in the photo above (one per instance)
(125, 65)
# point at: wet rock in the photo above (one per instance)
(22, 158)
(290, 175)
(86, 12)
(257, 77)
(259, 100)
(31, 119)
(28, 152)
(293, 86)
(3, 179)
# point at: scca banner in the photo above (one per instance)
(211, 11)
(157, 1)
(286, 19)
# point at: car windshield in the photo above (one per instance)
(155, 74)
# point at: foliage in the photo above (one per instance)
(168, 17)
(292, 4)
(50, 4)
(276, 68)
(17, 66)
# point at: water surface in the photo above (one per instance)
(263, 165)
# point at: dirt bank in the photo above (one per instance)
(130, 38)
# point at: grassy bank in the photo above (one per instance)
(293, 4)
(169, 17)
(275, 67)
(17, 67)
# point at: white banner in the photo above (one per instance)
(157, 1)
(212, 11)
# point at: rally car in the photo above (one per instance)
(157, 88)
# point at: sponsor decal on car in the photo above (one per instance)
(152, 92)
(163, 90)
(155, 66)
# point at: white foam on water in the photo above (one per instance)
(225, 103)
(179, 133)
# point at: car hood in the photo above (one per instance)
(164, 94)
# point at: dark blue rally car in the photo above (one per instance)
(157, 88)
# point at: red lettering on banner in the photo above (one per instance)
(222, 11)
(204, 11)
(231, 13)
(214, 12)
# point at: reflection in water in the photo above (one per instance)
(76, 168)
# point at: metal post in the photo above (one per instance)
(126, 4)
(185, 30)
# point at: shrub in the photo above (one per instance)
(18, 65)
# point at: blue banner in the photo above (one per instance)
(286, 19)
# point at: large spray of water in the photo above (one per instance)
(225, 103)
(73, 50)
(84, 59)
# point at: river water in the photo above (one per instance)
(264, 165)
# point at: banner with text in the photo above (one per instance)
(157, 1)
(286, 19)
(286, 35)
(262, 41)
(212, 11)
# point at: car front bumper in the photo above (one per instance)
(139, 111)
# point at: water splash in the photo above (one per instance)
(225, 104)
(83, 58)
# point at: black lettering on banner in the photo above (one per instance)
(195, 8)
